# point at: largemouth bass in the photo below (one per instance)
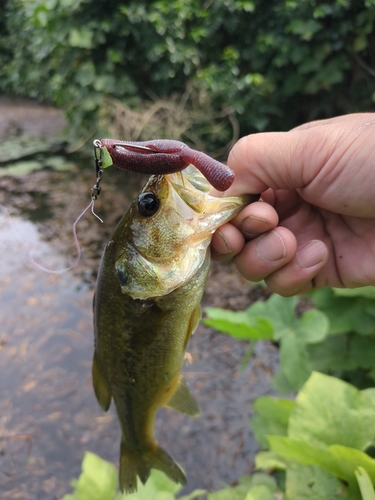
(147, 305)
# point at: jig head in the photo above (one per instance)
(164, 156)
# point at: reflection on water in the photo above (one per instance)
(48, 413)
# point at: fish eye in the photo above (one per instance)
(148, 204)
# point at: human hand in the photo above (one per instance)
(315, 225)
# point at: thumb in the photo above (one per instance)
(277, 160)
(294, 159)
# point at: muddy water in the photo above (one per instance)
(48, 413)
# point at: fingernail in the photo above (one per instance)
(311, 254)
(254, 225)
(225, 248)
(271, 247)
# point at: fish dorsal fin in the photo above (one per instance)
(101, 389)
(183, 400)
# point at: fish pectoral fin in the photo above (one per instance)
(195, 318)
(101, 389)
(183, 400)
(140, 464)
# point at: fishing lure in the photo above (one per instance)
(164, 156)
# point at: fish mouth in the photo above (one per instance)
(193, 176)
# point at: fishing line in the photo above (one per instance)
(95, 191)
(34, 247)
(76, 243)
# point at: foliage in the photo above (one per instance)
(314, 448)
(336, 338)
(98, 481)
(320, 447)
(274, 64)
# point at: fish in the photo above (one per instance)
(146, 307)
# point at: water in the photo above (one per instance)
(48, 413)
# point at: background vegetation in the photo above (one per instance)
(231, 67)
(208, 72)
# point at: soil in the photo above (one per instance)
(48, 412)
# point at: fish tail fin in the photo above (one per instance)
(140, 464)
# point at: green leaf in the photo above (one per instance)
(194, 494)
(295, 361)
(341, 461)
(364, 483)
(281, 383)
(349, 421)
(281, 313)
(344, 353)
(312, 327)
(361, 351)
(364, 291)
(235, 493)
(260, 479)
(260, 492)
(82, 38)
(260, 485)
(346, 314)
(236, 317)
(269, 460)
(309, 482)
(157, 487)
(244, 325)
(227, 494)
(305, 29)
(98, 480)
(259, 328)
(272, 418)
(162, 483)
(333, 354)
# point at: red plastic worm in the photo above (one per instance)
(163, 156)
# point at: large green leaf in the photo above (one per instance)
(260, 492)
(310, 482)
(346, 313)
(257, 487)
(312, 327)
(157, 487)
(330, 411)
(281, 384)
(98, 480)
(281, 312)
(238, 492)
(269, 460)
(365, 291)
(333, 354)
(256, 329)
(193, 495)
(341, 461)
(272, 418)
(251, 324)
(294, 360)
